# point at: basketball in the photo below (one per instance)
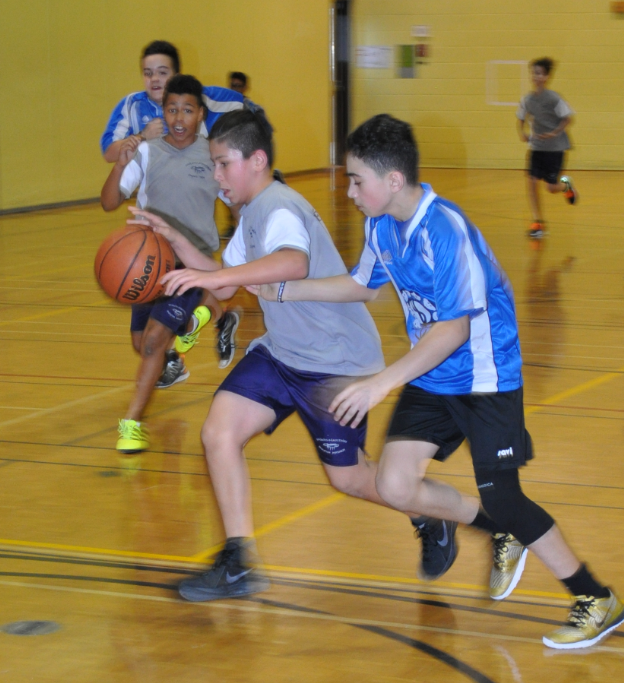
(130, 263)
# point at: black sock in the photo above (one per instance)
(485, 523)
(583, 583)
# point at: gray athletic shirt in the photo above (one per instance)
(177, 184)
(546, 110)
(333, 338)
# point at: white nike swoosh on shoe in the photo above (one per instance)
(445, 538)
(232, 579)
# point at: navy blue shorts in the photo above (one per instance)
(492, 423)
(263, 379)
(173, 312)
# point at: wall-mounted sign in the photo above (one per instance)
(373, 57)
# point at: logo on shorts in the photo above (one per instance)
(331, 446)
(178, 314)
(505, 453)
(488, 485)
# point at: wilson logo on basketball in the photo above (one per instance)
(139, 283)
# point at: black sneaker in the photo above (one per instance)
(226, 342)
(229, 577)
(174, 371)
(439, 547)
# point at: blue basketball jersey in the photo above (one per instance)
(136, 110)
(443, 269)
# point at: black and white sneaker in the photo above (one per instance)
(174, 371)
(439, 547)
(229, 577)
(226, 339)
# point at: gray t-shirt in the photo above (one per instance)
(546, 109)
(333, 338)
(177, 184)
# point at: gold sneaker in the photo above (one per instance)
(590, 620)
(509, 559)
(133, 438)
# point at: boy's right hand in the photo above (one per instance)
(128, 149)
(155, 222)
(266, 292)
(154, 129)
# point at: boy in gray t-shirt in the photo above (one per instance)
(174, 177)
(549, 115)
(310, 352)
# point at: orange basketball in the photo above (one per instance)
(130, 263)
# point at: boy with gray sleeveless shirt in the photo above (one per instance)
(549, 115)
(311, 350)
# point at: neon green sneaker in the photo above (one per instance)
(186, 342)
(590, 620)
(133, 437)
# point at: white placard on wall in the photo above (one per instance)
(373, 57)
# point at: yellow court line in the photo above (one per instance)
(271, 526)
(49, 314)
(579, 389)
(92, 551)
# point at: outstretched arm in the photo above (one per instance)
(340, 288)
(435, 346)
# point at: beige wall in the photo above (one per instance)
(66, 63)
(447, 103)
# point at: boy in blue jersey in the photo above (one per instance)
(462, 375)
(140, 113)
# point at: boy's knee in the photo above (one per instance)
(553, 188)
(154, 342)
(395, 490)
(345, 480)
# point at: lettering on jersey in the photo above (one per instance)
(139, 283)
(420, 307)
(198, 171)
(386, 257)
(146, 119)
(505, 453)
(331, 446)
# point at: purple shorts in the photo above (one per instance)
(263, 379)
(173, 312)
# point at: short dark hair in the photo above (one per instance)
(239, 76)
(386, 144)
(162, 47)
(246, 131)
(182, 84)
(546, 63)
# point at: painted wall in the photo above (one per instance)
(66, 63)
(447, 102)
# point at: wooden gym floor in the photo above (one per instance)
(95, 543)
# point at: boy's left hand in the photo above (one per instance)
(179, 281)
(353, 403)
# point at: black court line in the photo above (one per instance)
(440, 655)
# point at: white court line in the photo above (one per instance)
(19, 408)
(294, 614)
(63, 406)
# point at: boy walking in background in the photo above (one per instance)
(549, 115)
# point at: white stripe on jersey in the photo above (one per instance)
(418, 216)
(222, 107)
(367, 260)
(480, 338)
(142, 194)
(123, 125)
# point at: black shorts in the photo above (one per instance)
(545, 165)
(492, 423)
